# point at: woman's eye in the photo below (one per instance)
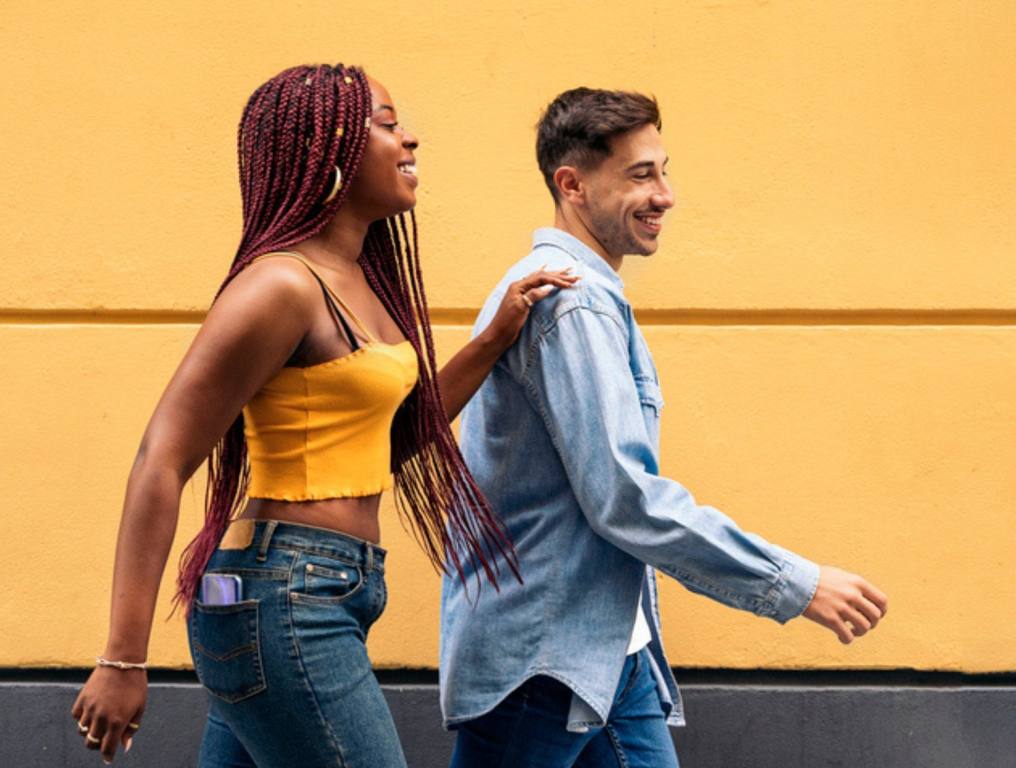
(390, 126)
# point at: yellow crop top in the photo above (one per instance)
(324, 431)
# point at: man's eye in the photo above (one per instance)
(643, 176)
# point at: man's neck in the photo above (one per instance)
(568, 222)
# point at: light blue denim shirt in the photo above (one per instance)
(563, 438)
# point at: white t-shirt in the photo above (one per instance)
(640, 634)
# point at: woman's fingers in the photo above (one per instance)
(101, 712)
(133, 726)
(96, 730)
(84, 720)
(539, 285)
(110, 739)
(536, 295)
(560, 278)
(79, 706)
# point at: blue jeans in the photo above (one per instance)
(286, 667)
(528, 728)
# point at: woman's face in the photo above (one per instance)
(386, 184)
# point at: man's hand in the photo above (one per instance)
(845, 598)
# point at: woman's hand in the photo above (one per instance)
(461, 376)
(520, 297)
(109, 709)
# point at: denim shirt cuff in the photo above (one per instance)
(794, 589)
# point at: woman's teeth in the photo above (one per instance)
(408, 168)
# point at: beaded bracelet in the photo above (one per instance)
(121, 664)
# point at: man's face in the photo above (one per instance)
(628, 193)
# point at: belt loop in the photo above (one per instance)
(370, 557)
(266, 539)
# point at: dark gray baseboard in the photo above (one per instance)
(733, 724)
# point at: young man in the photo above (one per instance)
(567, 669)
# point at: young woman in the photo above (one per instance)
(311, 388)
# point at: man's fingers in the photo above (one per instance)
(876, 596)
(839, 626)
(860, 623)
(870, 610)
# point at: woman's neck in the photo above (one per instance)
(339, 244)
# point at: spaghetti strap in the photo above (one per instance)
(332, 297)
(338, 317)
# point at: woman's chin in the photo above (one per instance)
(408, 203)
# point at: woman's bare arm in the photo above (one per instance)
(465, 372)
(246, 338)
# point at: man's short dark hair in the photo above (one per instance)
(577, 126)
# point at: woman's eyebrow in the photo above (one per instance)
(382, 107)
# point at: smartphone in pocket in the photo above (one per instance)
(221, 589)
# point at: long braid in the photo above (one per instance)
(425, 455)
(295, 130)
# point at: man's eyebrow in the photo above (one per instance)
(645, 164)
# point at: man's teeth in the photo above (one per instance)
(651, 220)
(409, 168)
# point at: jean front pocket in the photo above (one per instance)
(327, 584)
(225, 645)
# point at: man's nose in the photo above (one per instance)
(664, 195)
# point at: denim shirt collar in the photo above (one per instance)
(578, 250)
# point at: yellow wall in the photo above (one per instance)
(832, 310)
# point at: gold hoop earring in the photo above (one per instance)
(337, 187)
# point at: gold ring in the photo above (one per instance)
(529, 301)
(134, 726)
(91, 739)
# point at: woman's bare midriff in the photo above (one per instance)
(356, 516)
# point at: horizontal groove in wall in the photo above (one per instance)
(101, 316)
(835, 678)
(720, 317)
(647, 317)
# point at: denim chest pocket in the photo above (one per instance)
(318, 583)
(225, 644)
(649, 392)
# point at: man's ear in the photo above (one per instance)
(570, 185)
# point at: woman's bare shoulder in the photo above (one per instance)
(271, 285)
